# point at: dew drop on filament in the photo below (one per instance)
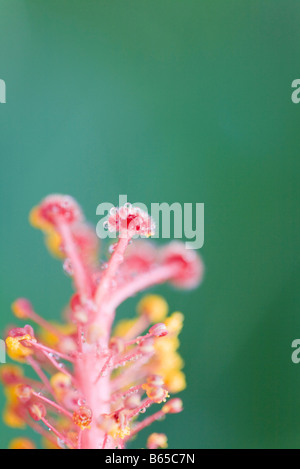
(61, 443)
(67, 266)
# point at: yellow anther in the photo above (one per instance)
(174, 323)
(171, 362)
(83, 417)
(175, 381)
(12, 419)
(16, 350)
(154, 307)
(157, 440)
(54, 242)
(61, 384)
(123, 327)
(51, 339)
(21, 443)
(166, 345)
(37, 221)
(119, 432)
(52, 237)
(11, 394)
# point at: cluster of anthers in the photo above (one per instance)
(92, 384)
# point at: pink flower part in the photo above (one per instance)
(158, 330)
(98, 383)
(129, 221)
(37, 411)
(190, 269)
(57, 208)
(140, 256)
(86, 240)
(20, 332)
(174, 406)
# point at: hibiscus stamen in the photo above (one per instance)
(93, 382)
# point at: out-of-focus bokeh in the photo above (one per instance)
(169, 101)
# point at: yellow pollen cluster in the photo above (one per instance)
(154, 307)
(120, 432)
(83, 418)
(51, 339)
(115, 427)
(60, 384)
(21, 443)
(10, 415)
(167, 361)
(123, 327)
(16, 350)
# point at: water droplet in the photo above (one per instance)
(112, 248)
(113, 211)
(81, 402)
(67, 266)
(119, 258)
(61, 443)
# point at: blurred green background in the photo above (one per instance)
(169, 101)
